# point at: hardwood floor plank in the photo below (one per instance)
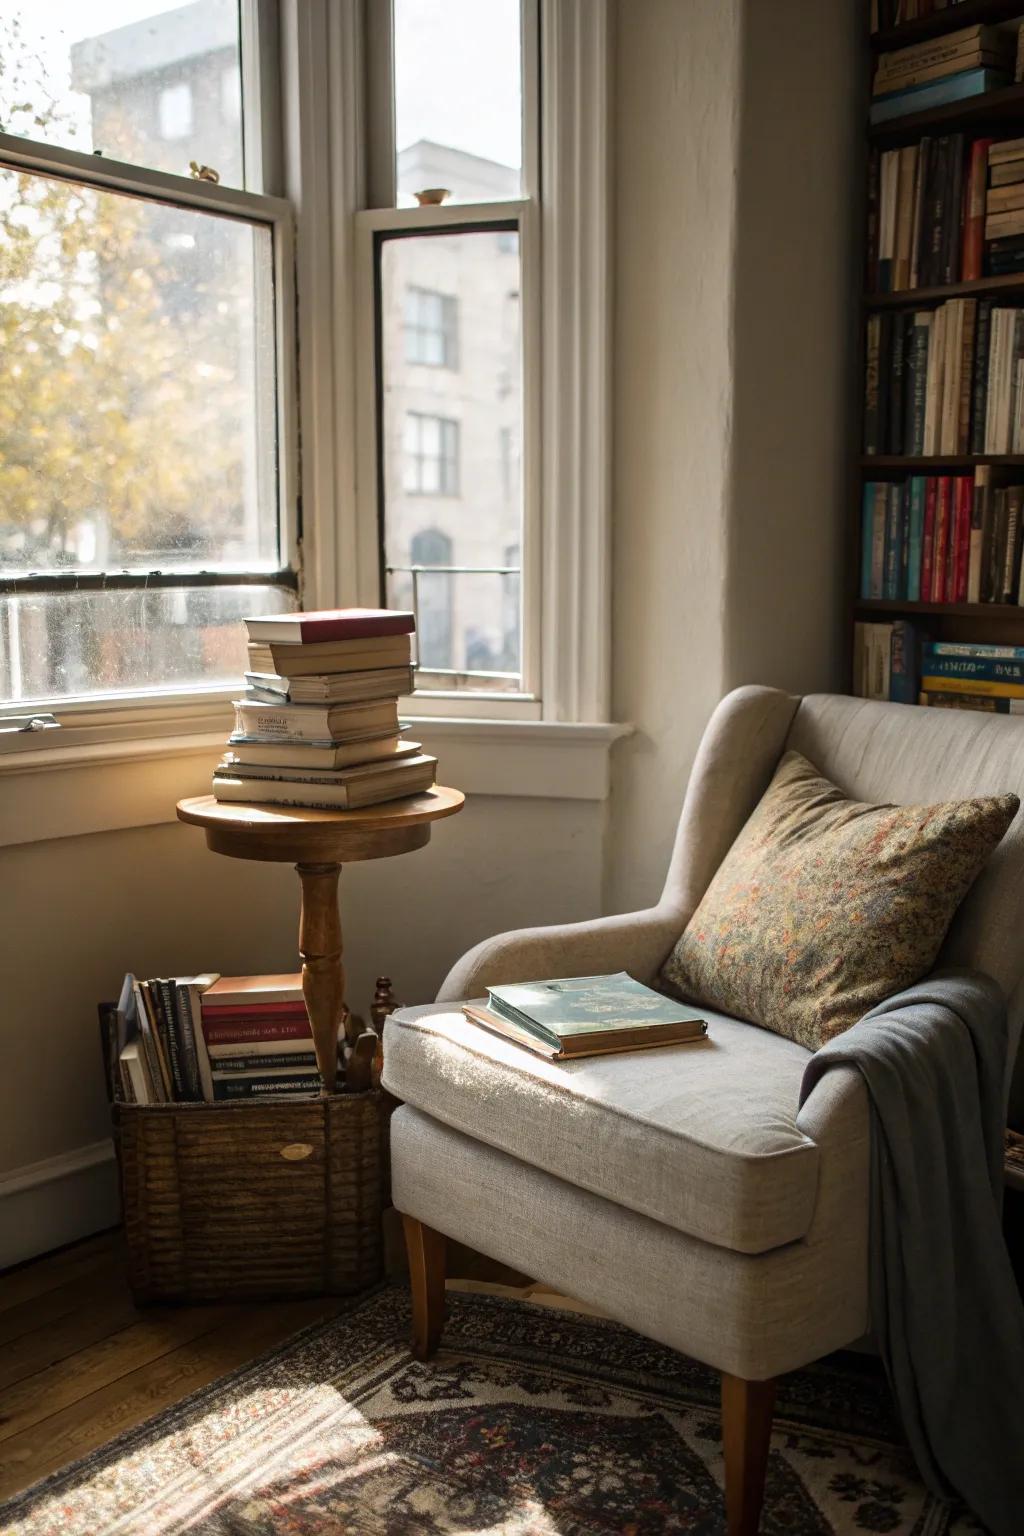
(76, 1296)
(59, 1386)
(33, 1352)
(90, 1421)
(41, 1275)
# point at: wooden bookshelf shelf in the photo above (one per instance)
(915, 298)
(998, 110)
(967, 14)
(934, 463)
(946, 610)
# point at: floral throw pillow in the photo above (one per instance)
(824, 906)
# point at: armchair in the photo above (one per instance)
(683, 1191)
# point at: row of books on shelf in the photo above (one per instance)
(942, 539)
(209, 1039)
(944, 210)
(893, 661)
(948, 380)
(318, 726)
(957, 65)
(886, 14)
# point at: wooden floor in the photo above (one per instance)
(79, 1362)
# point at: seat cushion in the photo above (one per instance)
(702, 1137)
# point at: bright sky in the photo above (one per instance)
(457, 64)
(457, 75)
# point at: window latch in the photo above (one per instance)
(11, 725)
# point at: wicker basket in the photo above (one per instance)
(225, 1201)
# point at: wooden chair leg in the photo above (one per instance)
(426, 1250)
(746, 1431)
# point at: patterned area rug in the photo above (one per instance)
(531, 1422)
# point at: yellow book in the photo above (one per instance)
(973, 685)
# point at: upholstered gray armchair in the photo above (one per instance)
(683, 1191)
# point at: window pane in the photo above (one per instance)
(458, 98)
(137, 80)
(137, 404)
(451, 456)
(58, 645)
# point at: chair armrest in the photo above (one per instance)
(635, 941)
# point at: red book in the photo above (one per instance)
(337, 624)
(931, 493)
(940, 547)
(974, 211)
(236, 1031)
(255, 1010)
(254, 992)
(964, 513)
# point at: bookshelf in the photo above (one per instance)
(996, 114)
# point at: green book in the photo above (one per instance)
(587, 1015)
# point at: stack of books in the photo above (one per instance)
(945, 381)
(1004, 207)
(942, 539)
(886, 661)
(209, 1038)
(941, 70)
(319, 725)
(586, 1016)
(973, 676)
(257, 1035)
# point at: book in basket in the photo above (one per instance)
(586, 1016)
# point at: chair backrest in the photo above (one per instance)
(878, 753)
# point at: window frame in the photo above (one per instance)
(107, 714)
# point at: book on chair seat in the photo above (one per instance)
(586, 1016)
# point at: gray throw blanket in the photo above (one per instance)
(945, 1307)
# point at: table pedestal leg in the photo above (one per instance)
(323, 976)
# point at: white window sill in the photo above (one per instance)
(86, 786)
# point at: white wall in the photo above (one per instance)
(736, 248)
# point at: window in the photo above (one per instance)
(143, 471)
(431, 455)
(431, 552)
(454, 293)
(431, 337)
(175, 107)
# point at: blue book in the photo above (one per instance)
(867, 537)
(893, 525)
(904, 674)
(938, 93)
(974, 668)
(976, 648)
(915, 534)
(586, 1016)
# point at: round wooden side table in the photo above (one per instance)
(318, 843)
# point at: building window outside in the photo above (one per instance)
(431, 328)
(175, 111)
(431, 452)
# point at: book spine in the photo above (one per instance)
(975, 550)
(896, 365)
(952, 236)
(874, 200)
(997, 546)
(921, 173)
(941, 546)
(971, 667)
(950, 414)
(939, 700)
(260, 1063)
(189, 1059)
(931, 500)
(933, 383)
(903, 672)
(964, 378)
(1008, 591)
(264, 1087)
(235, 1031)
(974, 213)
(878, 523)
(919, 382)
(915, 536)
(164, 994)
(939, 93)
(979, 387)
(976, 650)
(964, 517)
(894, 507)
(979, 685)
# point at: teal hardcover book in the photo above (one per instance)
(579, 1015)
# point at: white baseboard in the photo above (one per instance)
(45, 1205)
